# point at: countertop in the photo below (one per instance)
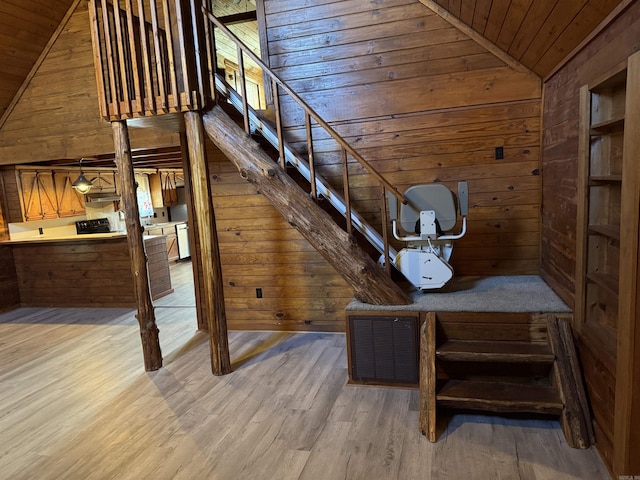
(66, 238)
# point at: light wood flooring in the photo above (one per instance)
(75, 403)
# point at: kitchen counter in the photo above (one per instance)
(66, 238)
(92, 270)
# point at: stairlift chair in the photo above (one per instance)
(429, 214)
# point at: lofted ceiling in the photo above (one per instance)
(537, 33)
(25, 29)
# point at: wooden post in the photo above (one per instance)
(427, 414)
(213, 301)
(369, 282)
(146, 317)
(194, 246)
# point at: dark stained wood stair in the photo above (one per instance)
(499, 397)
(482, 351)
(468, 369)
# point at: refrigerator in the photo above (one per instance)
(182, 233)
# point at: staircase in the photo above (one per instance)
(513, 366)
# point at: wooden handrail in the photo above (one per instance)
(307, 109)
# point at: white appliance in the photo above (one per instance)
(430, 211)
(182, 233)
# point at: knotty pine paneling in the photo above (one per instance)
(423, 103)
(26, 27)
(57, 115)
(538, 33)
(259, 249)
(560, 145)
(560, 165)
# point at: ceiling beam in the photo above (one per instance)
(239, 18)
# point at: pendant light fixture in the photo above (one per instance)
(82, 184)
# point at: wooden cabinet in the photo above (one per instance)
(38, 195)
(172, 243)
(163, 187)
(169, 232)
(42, 194)
(70, 203)
(607, 254)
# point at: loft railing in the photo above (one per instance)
(147, 57)
(277, 86)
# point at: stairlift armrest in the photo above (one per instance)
(460, 235)
(403, 239)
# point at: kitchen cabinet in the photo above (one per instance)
(169, 232)
(172, 243)
(70, 202)
(34, 194)
(37, 194)
(163, 187)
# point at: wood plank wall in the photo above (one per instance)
(259, 249)
(58, 115)
(9, 293)
(560, 161)
(423, 103)
(85, 273)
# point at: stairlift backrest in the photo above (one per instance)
(436, 197)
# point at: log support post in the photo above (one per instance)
(211, 288)
(194, 246)
(146, 316)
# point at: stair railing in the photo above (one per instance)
(277, 85)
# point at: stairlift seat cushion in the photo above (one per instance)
(435, 197)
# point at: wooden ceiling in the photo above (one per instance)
(537, 33)
(25, 29)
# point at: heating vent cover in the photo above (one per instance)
(384, 349)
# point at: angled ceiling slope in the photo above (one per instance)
(537, 33)
(25, 29)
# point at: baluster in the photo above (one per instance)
(160, 73)
(149, 103)
(197, 24)
(385, 233)
(123, 59)
(347, 197)
(276, 104)
(186, 55)
(97, 59)
(114, 112)
(312, 167)
(174, 96)
(137, 102)
(243, 91)
(212, 61)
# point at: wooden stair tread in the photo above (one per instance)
(499, 397)
(483, 351)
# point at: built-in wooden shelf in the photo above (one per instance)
(611, 231)
(484, 351)
(605, 281)
(612, 125)
(499, 397)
